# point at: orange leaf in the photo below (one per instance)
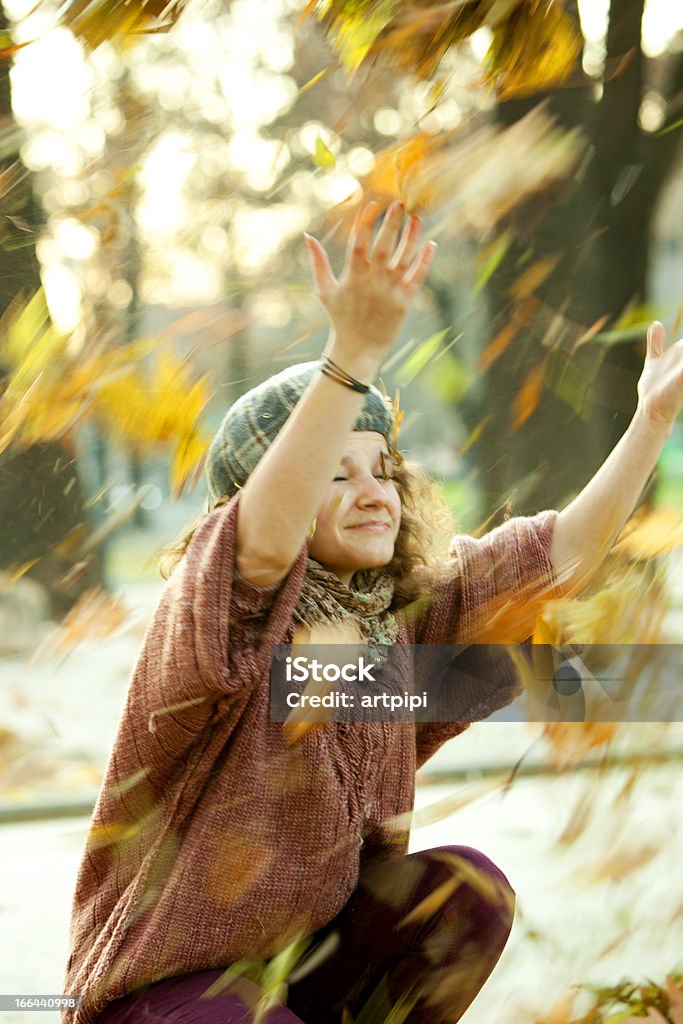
(533, 276)
(589, 334)
(495, 348)
(526, 402)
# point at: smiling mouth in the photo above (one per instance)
(373, 527)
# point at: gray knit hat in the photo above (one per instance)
(253, 422)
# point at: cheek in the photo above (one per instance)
(396, 503)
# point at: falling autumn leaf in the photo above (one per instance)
(527, 399)
(100, 21)
(323, 155)
(472, 178)
(140, 393)
(536, 48)
(95, 615)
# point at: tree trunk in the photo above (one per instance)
(599, 232)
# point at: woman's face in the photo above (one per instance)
(359, 520)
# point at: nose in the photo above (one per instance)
(372, 493)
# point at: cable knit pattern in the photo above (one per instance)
(212, 840)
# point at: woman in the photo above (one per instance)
(217, 842)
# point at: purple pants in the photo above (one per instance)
(419, 937)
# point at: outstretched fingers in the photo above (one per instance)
(421, 264)
(361, 236)
(405, 250)
(322, 270)
(656, 338)
(387, 236)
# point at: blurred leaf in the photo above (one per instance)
(448, 377)
(490, 258)
(323, 156)
(418, 359)
(633, 324)
(96, 614)
(560, 1011)
(137, 392)
(535, 49)
(671, 127)
(535, 45)
(101, 21)
(532, 277)
(497, 346)
(474, 435)
(352, 27)
(527, 400)
(589, 334)
(314, 81)
(573, 740)
(8, 47)
(646, 1002)
(650, 533)
(474, 178)
(620, 863)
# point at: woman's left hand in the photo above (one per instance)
(660, 388)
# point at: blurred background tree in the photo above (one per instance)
(593, 245)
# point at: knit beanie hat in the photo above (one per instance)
(253, 422)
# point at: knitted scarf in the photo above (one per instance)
(324, 598)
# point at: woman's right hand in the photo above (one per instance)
(368, 303)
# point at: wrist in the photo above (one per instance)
(657, 430)
(361, 365)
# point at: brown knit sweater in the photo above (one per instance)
(212, 840)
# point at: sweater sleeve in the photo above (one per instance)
(499, 585)
(208, 643)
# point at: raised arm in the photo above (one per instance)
(366, 307)
(586, 529)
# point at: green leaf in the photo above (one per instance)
(490, 259)
(671, 128)
(418, 359)
(448, 378)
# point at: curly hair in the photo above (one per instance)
(421, 545)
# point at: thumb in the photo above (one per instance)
(656, 336)
(322, 271)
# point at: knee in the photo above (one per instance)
(482, 880)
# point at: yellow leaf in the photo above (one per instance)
(322, 155)
(99, 21)
(314, 81)
(138, 393)
(650, 533)
(575, 739)
(535, 49)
